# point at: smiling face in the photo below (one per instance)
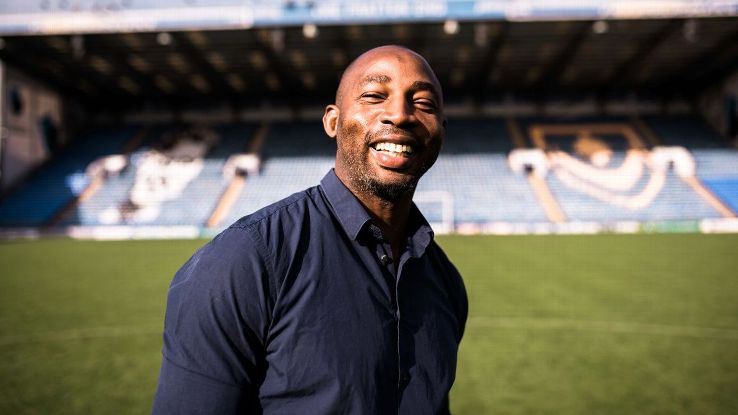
(388, 122)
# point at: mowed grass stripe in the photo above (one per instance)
(523, 323)
(606, 324)
(80, 333)
(475, 322)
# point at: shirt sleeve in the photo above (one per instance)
(215, 327)
(457, 291)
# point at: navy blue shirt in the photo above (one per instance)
(300, 308)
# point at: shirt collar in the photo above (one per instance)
(347, 208)
(420, 233)
(353, 217)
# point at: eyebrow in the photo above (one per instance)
(375, 79)
(384, 79)
(424, 86)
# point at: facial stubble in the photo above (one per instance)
(355, 153)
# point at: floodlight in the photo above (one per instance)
(451, 27)
(310, 31)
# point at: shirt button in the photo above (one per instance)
(385, 259)
(404, 378)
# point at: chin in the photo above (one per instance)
(395, 189)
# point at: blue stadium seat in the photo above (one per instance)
(60, 180)
(198, 198)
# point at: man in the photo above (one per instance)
(336, 299)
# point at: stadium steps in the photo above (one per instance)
(718, 171)
(516, 133)
(710, 196)
(646, 131)
(727, 191)
(295, 156)
(546, 199)
(550, 205)
(230, 195)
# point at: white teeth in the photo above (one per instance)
(394, 148)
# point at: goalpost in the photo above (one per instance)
(438, 208)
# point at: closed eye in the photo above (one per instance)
(425, 104)
(372, 97)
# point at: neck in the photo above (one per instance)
(391, 216)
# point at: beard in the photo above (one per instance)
(354, 149)
(390, 192)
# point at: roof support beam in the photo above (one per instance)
(82, 68)
(700, 65)
(480, 81)
(203, 66)
(556, 67)
(54, 80)
(113, 50)
(290, 86)
(626, 71)
(714, 73)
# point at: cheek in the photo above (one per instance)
(352, 132)
(349, 129)
(349, 141)
(435, 133)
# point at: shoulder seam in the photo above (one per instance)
(279, 209)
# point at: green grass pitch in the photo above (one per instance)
(608, 324)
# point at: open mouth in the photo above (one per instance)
(393, 156)
(394, 150)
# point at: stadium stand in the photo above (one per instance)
(602, 170)
(673, 200)
(210, 183)
(197, 199)
(639, 71)
(473, 169)
(472, 183)
(114, 189)
(685, 131)
(717, 165)
(295, 156)
(718, 170)
(58, 182)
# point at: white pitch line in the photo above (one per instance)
(603, 326)
(79, 333)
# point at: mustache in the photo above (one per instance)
(386, 130)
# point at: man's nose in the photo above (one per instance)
(398, 112)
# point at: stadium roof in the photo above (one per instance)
(483, 60)
(96, 16)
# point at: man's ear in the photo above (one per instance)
(330, 120)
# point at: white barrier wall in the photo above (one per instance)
(31, 113)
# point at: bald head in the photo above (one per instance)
(360, 65)
(388, 123)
